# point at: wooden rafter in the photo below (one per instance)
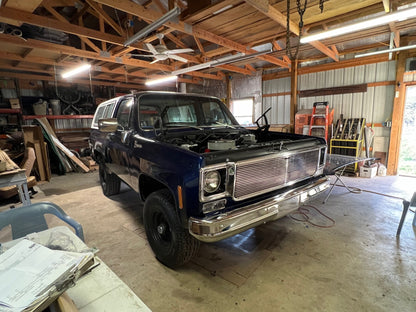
(106, 17)
(82, 53)
(178, 42)
(268, 10)
(386, 5)
(80, 13)
(150, 15)
(59, 17)
(46, 22)
(200, 46)
(279, 48)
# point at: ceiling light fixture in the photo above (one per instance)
(77, 70)
(161, 80)
(371, 23)
(387, 51)
(153, 26)
(221, 61)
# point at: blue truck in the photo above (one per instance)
(201, 175)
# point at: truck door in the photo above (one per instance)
(119, 145)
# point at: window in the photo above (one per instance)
(243, 111)
(213, 114)
(123, 113)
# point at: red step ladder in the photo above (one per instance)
(314, 116)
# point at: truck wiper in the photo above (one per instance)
(224, 125)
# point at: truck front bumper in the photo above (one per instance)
(218, 227)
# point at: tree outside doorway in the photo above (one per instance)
(407, 158)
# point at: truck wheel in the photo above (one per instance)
(171, 243)
(110, 183)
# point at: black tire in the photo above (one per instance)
(171, 243)
(110, 183)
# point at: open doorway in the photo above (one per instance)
(407, 157)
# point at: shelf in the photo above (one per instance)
(53, 117)
(10, 111)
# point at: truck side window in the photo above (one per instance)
(123, 113)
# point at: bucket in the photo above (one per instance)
(39, 108)
(56, 107)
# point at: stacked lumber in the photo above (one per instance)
(66, 158)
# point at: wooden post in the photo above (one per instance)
(397, 116)
(229, 93)
(293, 93)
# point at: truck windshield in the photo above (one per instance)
(175, 110)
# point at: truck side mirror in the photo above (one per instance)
(107, 125)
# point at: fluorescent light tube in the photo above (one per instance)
(153, 26)
(371, 23)
(223, 9)
(386, 51)
(160, 80)
(77, 70)
(221, 61)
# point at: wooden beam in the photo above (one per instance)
(102, 29)
(334, 90)
(397, 116)
(80, 13)
(51, 23)
(176, 41)
(235, 69)
(250, 68)
(59, 17)
(160, 6)
(277, 47)
(150, 15)
(32, 43)
(200, 46)
(325, 50)
(201, 33)
(106, 17)
(268, 10)
(74, 81)
(204, 75)
(386, 5)
(330, 66)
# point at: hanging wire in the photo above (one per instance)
(301, 11)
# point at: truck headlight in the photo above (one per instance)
(212, 181)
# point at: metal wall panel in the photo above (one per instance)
(375, 105)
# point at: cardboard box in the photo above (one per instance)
(368, 172)
(14, 103)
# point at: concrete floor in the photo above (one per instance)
(286, 265)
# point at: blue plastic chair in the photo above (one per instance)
(29, 219)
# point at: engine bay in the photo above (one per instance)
(205, 141)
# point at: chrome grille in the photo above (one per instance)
(302, 165)
(269, 173)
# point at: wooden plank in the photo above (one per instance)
(106, 17)
(334, 90)
(325, 50)
(47, 127)
(27, 6)
(268, 10)
(51, 23)
(59, 17)
(397, 116)
(330, 66)
(39, 160)
(32, 43)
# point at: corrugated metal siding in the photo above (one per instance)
(375, 105)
